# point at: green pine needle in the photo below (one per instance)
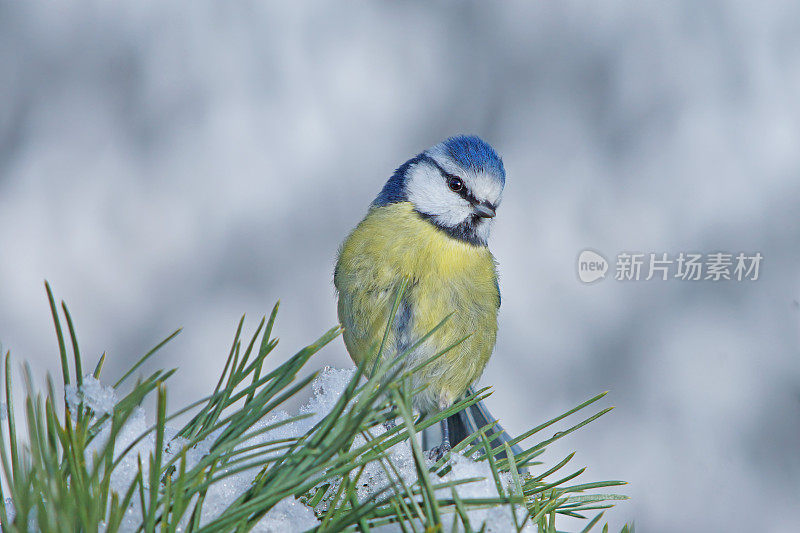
(56, 485)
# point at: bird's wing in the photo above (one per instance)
(367, 290)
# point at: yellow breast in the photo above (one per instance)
(446, 275)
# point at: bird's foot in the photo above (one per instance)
(389, 425)
(436, 453)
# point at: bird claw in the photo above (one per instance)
(436, 453)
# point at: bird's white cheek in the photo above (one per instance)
(432, 197)
(453, 216)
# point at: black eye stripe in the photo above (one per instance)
(464, 192)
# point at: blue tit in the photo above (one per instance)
(429, 225)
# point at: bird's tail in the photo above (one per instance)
(464, 423)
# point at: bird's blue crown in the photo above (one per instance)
(472, 152)
(468, 151)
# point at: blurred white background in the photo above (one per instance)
(171, 164)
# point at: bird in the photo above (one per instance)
(428, 228)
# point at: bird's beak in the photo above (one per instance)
(484, 210)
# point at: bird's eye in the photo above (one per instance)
(455, 184)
